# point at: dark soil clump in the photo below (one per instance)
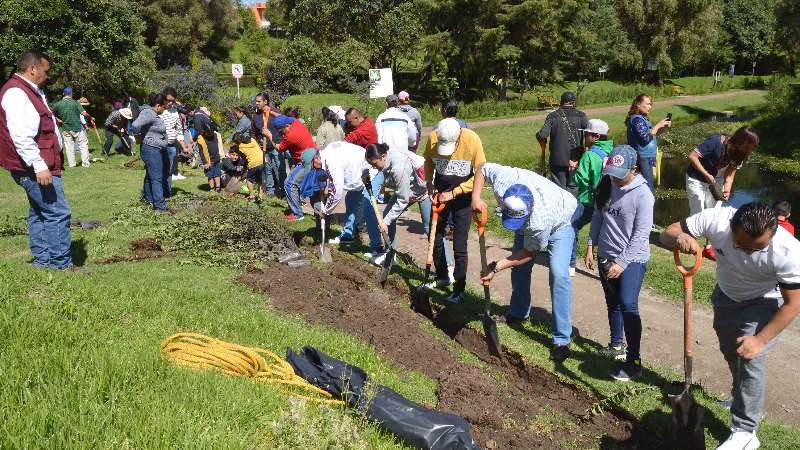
(510, 405)
(146, 244)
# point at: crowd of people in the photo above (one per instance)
(352, 158)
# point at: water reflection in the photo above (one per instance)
(753, 182)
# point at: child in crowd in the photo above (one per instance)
(252, 152)
(233, 169)
(210, 143)
(304, 182)
(783, 210)
(588, 167)
(621, 224)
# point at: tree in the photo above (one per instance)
(787, 35)
(183, 29)
(94, 45)
(602, 40)
(703, 42)
(751, 24)
(654, 28)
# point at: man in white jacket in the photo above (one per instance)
(395, 128)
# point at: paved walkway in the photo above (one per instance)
(684, 100)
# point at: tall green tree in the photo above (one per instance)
(95, 45)
(787, 35)
(183, 29)
(654, 28)
(602, 40)
(751, 24)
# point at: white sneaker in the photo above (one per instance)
(437, 284)
(455, 297)
(370, 256)
(378, 259)
(338, 240)
(740, 440)
(572, 271)
(178, 177)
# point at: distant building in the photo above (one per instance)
(258, 10)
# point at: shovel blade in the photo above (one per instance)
(386, 269)
(421, 303)
(325, 255)
(687, 416)
(492, 338)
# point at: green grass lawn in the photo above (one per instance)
(80, 359)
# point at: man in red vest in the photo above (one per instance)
(30, 148)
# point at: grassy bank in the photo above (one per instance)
(80, 361)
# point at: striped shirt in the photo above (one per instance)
(172, 121)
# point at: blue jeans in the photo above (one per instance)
(424, 212)
(584, 219)
(622, 301)
(172, 151)
(646, 165)
(292, 188)
(154, 161)
(48, 222)
(560, 249)
(358, 201)
(272, 163)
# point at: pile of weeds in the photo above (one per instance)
(216, 230)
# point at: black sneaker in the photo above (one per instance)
(560, 353)
(628, 371)
(617, 352)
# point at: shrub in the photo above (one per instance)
(195, 86)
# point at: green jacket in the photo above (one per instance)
(590, 171)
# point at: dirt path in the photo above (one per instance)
(661, 320)
(605, 109)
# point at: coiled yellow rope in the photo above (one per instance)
(202, 352)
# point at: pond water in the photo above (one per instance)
(753, 182)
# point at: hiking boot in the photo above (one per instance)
(740, 440)
(560, 353)
(438, 284)
(615, 351)
(709, 253)
(455, 297)
(628, 371)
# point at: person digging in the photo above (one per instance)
(541, 214)
(756, 297)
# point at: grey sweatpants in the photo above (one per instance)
(732, 320)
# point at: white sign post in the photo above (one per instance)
(380, 83)
(237, 70)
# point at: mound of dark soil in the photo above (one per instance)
(511, 405)
(145, 244)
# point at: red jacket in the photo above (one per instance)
(46, 138)
(785, 224)
(365, 134)
(297, 139)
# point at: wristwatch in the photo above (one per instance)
(493, 267)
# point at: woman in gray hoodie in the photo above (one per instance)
(153, 133)
(404, 172)
(621, 224)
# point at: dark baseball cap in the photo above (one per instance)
(568, 97)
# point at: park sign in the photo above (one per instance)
(237, 70)
(380, 83)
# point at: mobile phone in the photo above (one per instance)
(669, 117)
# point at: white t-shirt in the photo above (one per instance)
(745, 277)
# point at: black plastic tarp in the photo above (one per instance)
(416, 425)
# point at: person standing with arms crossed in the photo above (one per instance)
(756, 297)
(30, 148)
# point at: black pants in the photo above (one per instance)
(563, 178)
(460, 210)
(110, 133)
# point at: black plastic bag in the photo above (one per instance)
(418, 426)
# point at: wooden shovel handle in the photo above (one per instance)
(688, 299)
(436, 209)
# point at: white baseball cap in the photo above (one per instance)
(447, 133)
(597, 126)
(126, 113)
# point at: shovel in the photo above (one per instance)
(489, 325)
(686, 414)
(419, 297)
(324, 253)
(388, 261)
